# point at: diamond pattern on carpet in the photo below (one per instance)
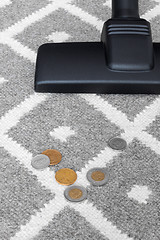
(21, 195)
(70, 223)
(33, 203)
(69, 110)
(137, 165)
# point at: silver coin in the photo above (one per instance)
(75, 193)
(40, 162)
(93, 173)
(117, 143)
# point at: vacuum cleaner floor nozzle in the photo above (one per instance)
(81, 68)
(125, 61)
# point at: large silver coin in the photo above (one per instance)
(40, 162)
(75, 193)
(97, 176)
(117, 143)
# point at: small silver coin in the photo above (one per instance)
(40, 162)
(117, 143)
(75, 193)
(95, 174)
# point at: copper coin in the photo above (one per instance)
(98, 176)
(54, 156)
(66, 176)
(75, 193)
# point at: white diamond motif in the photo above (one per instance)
(2, 80)
(62, 133)
(58, 37)
(140, 193)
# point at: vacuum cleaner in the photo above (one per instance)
(125, 61)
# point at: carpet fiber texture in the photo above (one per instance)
(33, 206)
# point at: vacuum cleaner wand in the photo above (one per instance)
(124, 61)
(125, 9)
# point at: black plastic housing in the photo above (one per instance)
(128, 45)
(81, 68)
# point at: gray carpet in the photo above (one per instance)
(79, 126)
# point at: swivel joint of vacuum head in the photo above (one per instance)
(127, 38)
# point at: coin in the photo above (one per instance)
(66, 176)
(97, 176)
(117, 143)
(40, 162)
(75, 193)
(54, 156)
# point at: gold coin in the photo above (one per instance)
(54, 156)
(75, 193)
(98, 176)
(66, 176)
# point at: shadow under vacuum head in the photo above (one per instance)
(125, 61)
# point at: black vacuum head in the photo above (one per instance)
(124, 61)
